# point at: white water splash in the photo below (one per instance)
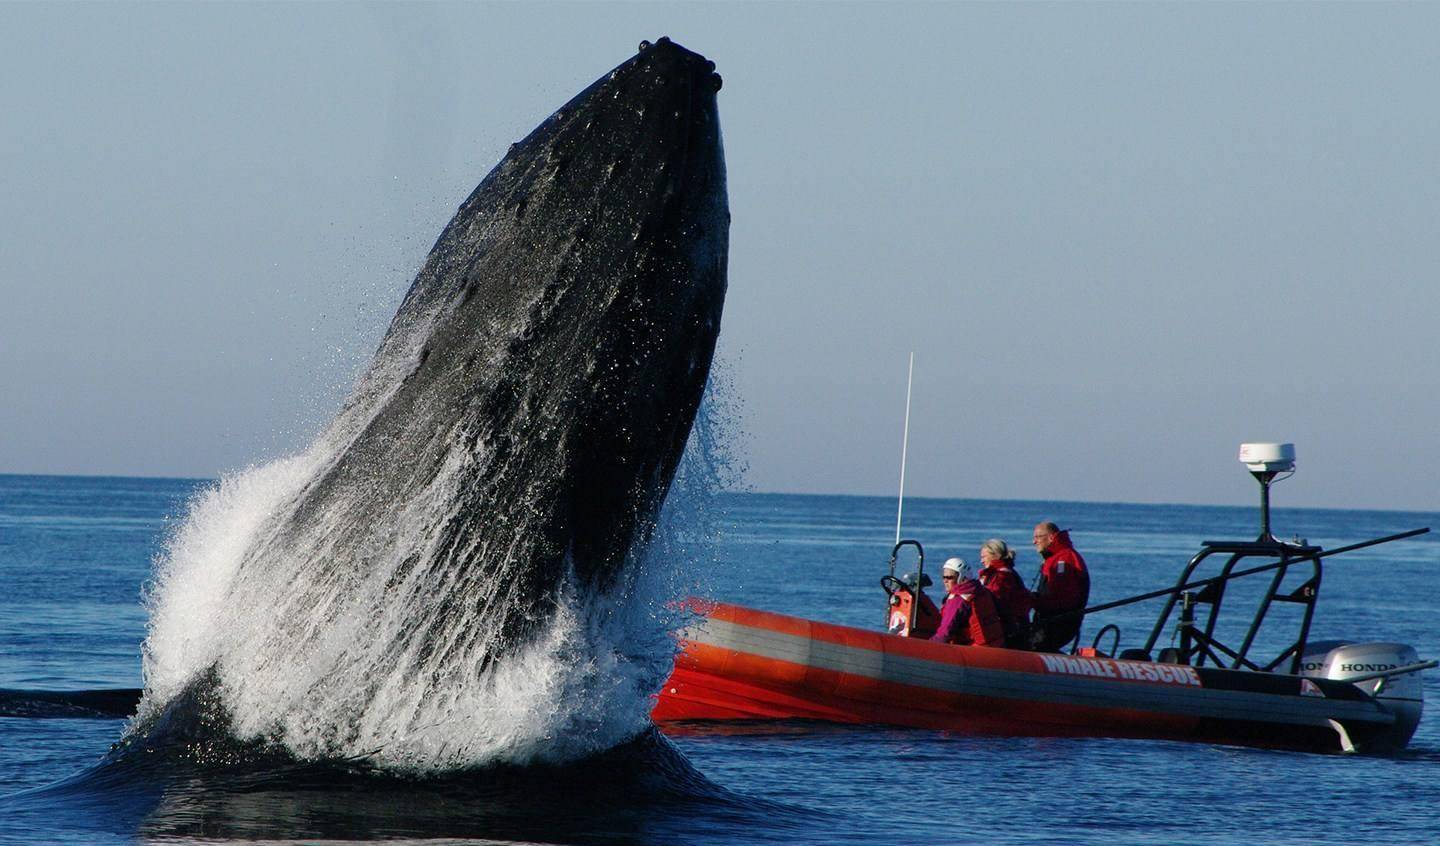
(345, 679)
(200, 560)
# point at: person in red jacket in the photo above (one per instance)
(969, 616)
(1012, 600)
(1063, 586)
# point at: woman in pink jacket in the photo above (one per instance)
(969, 616)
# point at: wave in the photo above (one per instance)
(642, 790)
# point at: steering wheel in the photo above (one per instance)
(891, 584)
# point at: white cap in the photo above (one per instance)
(958, 566)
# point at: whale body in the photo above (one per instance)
(510, 446)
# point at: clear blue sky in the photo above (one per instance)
(1120, 238)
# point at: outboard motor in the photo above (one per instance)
(1402, 694)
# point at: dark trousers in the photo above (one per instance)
(1052, 635)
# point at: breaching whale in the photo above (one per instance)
(508, 448)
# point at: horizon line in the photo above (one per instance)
(746, 490)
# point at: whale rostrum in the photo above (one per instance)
(523, 418)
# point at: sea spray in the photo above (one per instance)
(583, 687)
(192, 576)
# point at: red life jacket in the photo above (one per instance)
(1012, 601)
(1064, 583)
(970, 617)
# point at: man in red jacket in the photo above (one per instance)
(1063, 586)
(969, 616)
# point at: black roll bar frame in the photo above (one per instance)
(1200, 642)
(1211, 591)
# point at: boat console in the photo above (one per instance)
(906, 615)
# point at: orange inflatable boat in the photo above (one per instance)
(741, 664)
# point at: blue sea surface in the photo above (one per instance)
(75, 555)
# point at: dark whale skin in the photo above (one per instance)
(574, 302)
(521, 423)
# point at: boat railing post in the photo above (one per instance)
(1214, 594)
(1308, 594)
(919, 587)
(1186, 624)
(1174, 596)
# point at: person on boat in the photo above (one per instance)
(1012, 600)
(1062, 587)
(968, 616)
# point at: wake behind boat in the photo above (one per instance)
(743, 664)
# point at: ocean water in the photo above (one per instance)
(76, 555)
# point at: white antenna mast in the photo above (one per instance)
(904, 446)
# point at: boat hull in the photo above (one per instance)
(742, 664)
